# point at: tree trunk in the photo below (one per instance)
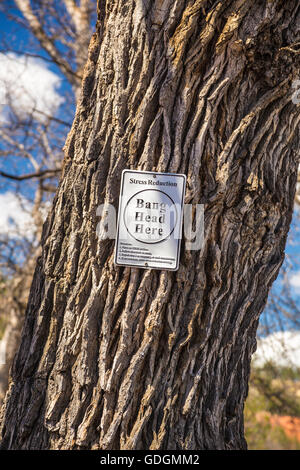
(120, 358)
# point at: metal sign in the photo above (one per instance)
(150, 220)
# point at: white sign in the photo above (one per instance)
(150, 220)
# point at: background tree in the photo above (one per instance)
(125, 358)
(32, 135)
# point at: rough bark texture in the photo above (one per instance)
(138, 359)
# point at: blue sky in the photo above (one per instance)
(287, 294)
(13, 33)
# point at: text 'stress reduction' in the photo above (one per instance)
(150, 219)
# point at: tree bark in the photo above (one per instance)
(120, 358)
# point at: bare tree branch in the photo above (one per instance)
(30, 175)
(46, 42)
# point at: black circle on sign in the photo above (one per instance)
(142, 191)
